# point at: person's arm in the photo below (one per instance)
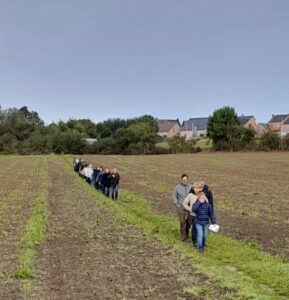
(186, 203)
(212, 215)
(175, 197)
(210, 198)
(196, 206)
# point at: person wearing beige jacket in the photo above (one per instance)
(188, 204)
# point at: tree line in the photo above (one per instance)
(24, 132)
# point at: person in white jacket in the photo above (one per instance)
(89, 173)
(188, 204)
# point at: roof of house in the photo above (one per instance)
(244, 119)
(200, 123)
(265, 125)
(278, 118)
(167, 125)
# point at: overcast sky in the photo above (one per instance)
(103, 59)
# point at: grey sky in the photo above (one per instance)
(102, 59)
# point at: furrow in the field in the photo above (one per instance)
(16, 207)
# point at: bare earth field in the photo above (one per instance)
(251, 189)
(60, 239)
(84, 255)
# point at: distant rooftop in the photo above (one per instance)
(244, 119)
(278, 118)
(200, 123)
(265, 125)
(167, 125)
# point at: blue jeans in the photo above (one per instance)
(93, 182)
(202, 230)
(105, 191)
(114, 192)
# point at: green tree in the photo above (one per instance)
(224, 128)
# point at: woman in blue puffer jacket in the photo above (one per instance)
(204, 213)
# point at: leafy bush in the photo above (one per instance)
(271, 141)
(285, 142)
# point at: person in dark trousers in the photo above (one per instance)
(98, 178)
(188, 204)
(206, 189)
(114, 184)
(93, 178)
(204, 212)
(106, 182)
(180, 193)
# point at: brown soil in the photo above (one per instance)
(17, 198)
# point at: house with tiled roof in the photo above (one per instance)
(247, 121)
(194, 128)
(279, 124)
(261, 128)
(250, 122)
(285, 127)
(168, 128)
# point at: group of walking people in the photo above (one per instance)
(100, 178)
(195, 209)
(194, 202)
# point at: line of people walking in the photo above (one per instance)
(100, 178)
(194, 202)
(195, 208)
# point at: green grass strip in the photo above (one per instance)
(236, 265)
(34, 232)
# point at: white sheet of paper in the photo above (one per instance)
(214, 227)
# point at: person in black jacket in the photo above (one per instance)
(204, 213)
(207, 190)
(106, 182)
(114, 184)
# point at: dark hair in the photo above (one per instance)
(184, 175)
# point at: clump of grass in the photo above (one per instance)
(206, 292)
(253, 274)
(34, 233)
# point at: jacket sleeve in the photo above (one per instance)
(212, 215)
(186, 203)
(175, 199)
(196, 206)
(210, 198)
